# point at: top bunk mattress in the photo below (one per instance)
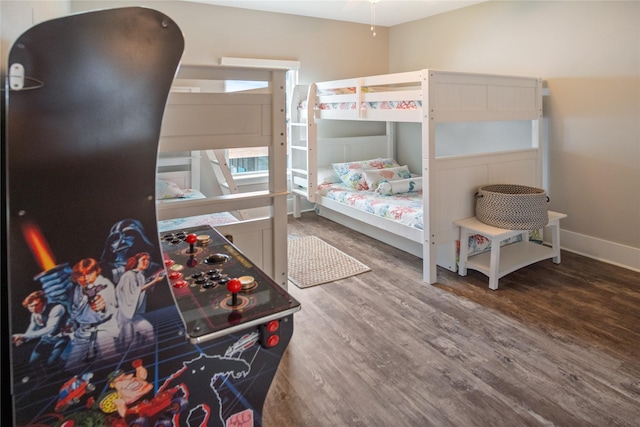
(450, 96)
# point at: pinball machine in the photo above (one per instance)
(109, 322)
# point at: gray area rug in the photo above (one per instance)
(312, 262)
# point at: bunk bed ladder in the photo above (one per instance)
(222, 171)
(302, 157)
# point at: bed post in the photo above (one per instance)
(538, 141)
(429, 269)
(312, 144)
(278, 179)
(391, 139)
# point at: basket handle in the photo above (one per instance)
(478, 195)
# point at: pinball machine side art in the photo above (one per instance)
(85, 99)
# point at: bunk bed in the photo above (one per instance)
(177, 181)
(203, 117)
(449, 171)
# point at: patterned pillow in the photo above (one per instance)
(375, 176)
(350, 173)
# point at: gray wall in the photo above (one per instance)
(17, 16)
(587, 52)
(327, 49)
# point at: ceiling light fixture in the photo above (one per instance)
(373, 16)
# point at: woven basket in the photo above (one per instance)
(514, 207)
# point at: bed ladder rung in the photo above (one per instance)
(222, 172)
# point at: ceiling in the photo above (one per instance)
(387, 12)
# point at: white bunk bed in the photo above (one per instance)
(201, 116)
(177, 181)
(449, 179)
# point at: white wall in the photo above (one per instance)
(589, 55)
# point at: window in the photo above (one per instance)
(242, 85)
(254, 160)
(248, 160)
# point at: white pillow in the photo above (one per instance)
(326, 175)
(389, 188)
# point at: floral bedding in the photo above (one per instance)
(378, 105)
(403, 208)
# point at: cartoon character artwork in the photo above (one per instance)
(133, 401)
(73, 390)
(131, 293)
(126, 239)
(78, 315)
(127, 388)
(93, 315)
(129, 401)
(48, 325)
(191, 396)
(161, 410)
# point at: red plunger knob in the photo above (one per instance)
(191, 240)
(234, 286)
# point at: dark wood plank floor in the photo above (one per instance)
(555, 345)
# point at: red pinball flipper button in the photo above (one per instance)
(175, 275)
(273, 326)
(179, 283)
(273, 341)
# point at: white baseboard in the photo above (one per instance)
(602, 250)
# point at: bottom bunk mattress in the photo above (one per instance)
(213, 220)
(403, 208)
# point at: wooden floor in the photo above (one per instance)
(556, 345)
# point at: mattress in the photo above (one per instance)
(377, 105)
(213, 220)
(405, 208)
(186, 194)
